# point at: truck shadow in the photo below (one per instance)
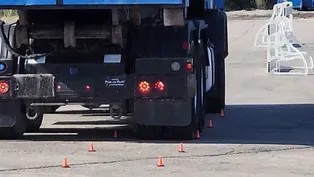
(242, 124)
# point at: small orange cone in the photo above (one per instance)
(210, 124)
(91, 148)
(181, 148)
(115, 135)
(222, 113)
(160, 162)
(198, 134)
(65, 163)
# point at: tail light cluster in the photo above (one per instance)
(4, 87)
(146, 87)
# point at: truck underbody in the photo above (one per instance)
(167, 77)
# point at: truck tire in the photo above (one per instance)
(51, 109)
(215, 98)
(91, 106)
(34, 125)
(203, 102)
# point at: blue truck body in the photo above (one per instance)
(88, 2)
(297, 4)
(210, 4)
(27, 2)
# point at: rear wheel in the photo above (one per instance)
(217, 36)
(34, 125)
(91, 106)
(50, 109)
(203, 103)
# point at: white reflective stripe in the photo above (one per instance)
(112, 58)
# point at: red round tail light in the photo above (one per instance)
(160, 86)
(4, 87)
(87, 87)
(144, 87)
(189, 66)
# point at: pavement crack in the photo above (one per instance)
(116, 161)
(231, 152)
(272, 150)
(241, 35)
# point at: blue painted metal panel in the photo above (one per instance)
(297, 4)
(40, 2)
(308, 4)
(220, 4)
(87, 2)
(215, 4)
(12, 2)
(26, 2)
(120, 2)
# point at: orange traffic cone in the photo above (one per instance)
(210, 124)
(115, 135)
(91, 148)
(65, 163)
(181, 148)
(198, 134)
(160, 162)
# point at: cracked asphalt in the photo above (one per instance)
(267, 130)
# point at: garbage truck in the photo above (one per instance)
(160, 62)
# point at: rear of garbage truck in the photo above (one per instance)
(160, 62)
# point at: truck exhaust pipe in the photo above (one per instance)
(32, 113)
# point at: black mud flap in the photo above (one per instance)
(34, 86)
(163, 112)
(9, 111)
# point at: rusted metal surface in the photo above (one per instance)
(34, 85)
(82, 32)
(173, 17)
(69, 34)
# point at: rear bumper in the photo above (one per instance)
(105, 89)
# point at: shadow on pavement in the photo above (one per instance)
(242, 124)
